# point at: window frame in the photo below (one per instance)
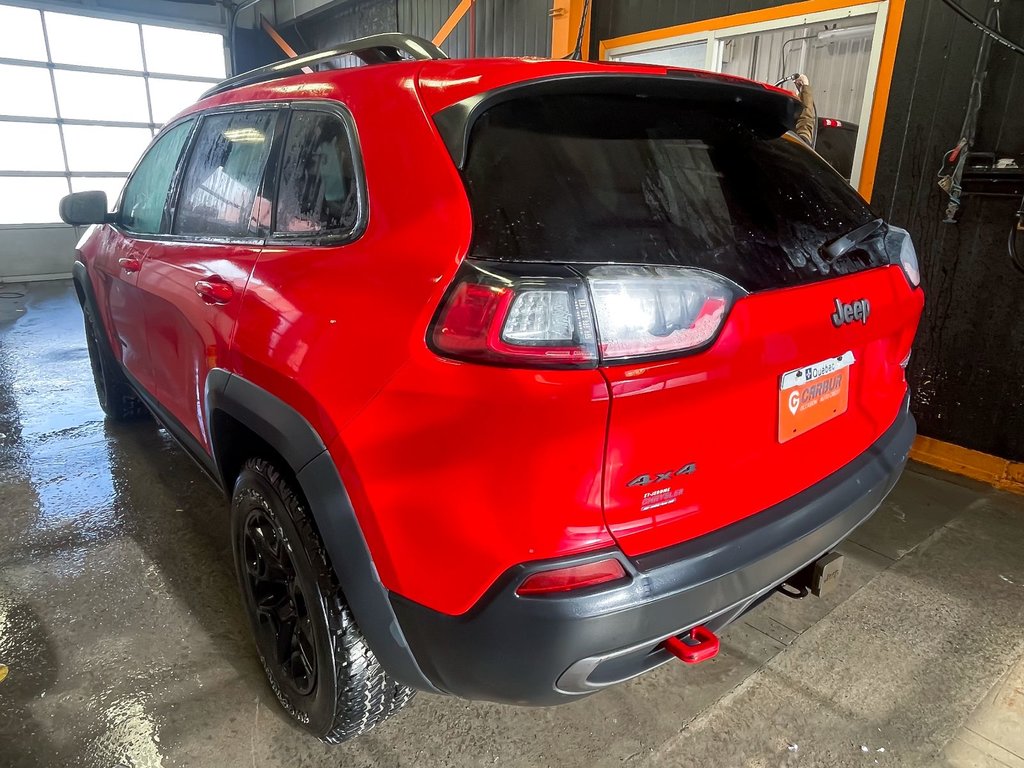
(266, 187)
(269, 184)
(338, 110)
(118, 204)
(888, 17)
(67, 173)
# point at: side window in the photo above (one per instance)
(220, 193)
(144, 199)
(318, 192)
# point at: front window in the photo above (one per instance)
(145, 197)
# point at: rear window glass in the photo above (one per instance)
(318, 192)
(654, 181)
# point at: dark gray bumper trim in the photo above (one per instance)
(541, 650)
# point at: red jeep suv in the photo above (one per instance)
(523, 376)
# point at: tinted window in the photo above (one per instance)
(318, 192)
(220, 192)
(145, 197)
(654, 181)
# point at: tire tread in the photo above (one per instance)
(115, 393)
(366, 694)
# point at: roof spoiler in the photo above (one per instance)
(375, 49)
(773, 105)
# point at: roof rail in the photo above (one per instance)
(375, 49)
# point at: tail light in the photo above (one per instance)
(902, 251)
(572, 577)
(644, 311)
(555, 316)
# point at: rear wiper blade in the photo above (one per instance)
(850, 240)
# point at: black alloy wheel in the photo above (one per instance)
(316, 660)
(285, 631)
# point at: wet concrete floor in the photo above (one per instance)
(126, 644)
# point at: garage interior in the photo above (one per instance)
(122, 637)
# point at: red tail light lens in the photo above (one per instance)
(466, 324)
(542, 315)
(531, 317)
(572, 577)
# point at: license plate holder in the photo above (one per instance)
(812, 395)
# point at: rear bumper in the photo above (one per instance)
(548, 650)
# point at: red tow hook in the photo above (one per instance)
(699, 645)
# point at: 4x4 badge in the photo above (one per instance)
(661, 477)
(851, 313)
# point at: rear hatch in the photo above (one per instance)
(713, 214)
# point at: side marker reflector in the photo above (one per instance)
(572, 577)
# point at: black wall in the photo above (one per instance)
(967, 372)
(503, 27)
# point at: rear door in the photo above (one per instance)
(194, 279)
(700, 433)
(125, 246)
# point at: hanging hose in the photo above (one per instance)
(577, 53)
(951, 172)
(995, 34)
(782, 53)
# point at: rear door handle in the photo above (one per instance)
(214, 291)
(129, 264)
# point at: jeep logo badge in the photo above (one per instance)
(851, 313)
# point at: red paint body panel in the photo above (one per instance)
(118, 294)
(458, 471)
(188, 336)
(719, 409)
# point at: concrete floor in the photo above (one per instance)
(126, 643)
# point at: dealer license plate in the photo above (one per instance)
(812, 395)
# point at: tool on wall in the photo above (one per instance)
(953, 162)
(967, 172)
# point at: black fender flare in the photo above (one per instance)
(294, 438)
(84, 289)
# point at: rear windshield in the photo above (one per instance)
(631, 180)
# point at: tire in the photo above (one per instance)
(316, 660)
(117, 398)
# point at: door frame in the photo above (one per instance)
(888, 22)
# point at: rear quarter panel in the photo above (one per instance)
(456, 471)
(324, 328)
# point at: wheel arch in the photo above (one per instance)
(238, 411)
(78, 277)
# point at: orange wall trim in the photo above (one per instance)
(887, 60)
(565, 27)
(1003, 474)
(452, 22)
